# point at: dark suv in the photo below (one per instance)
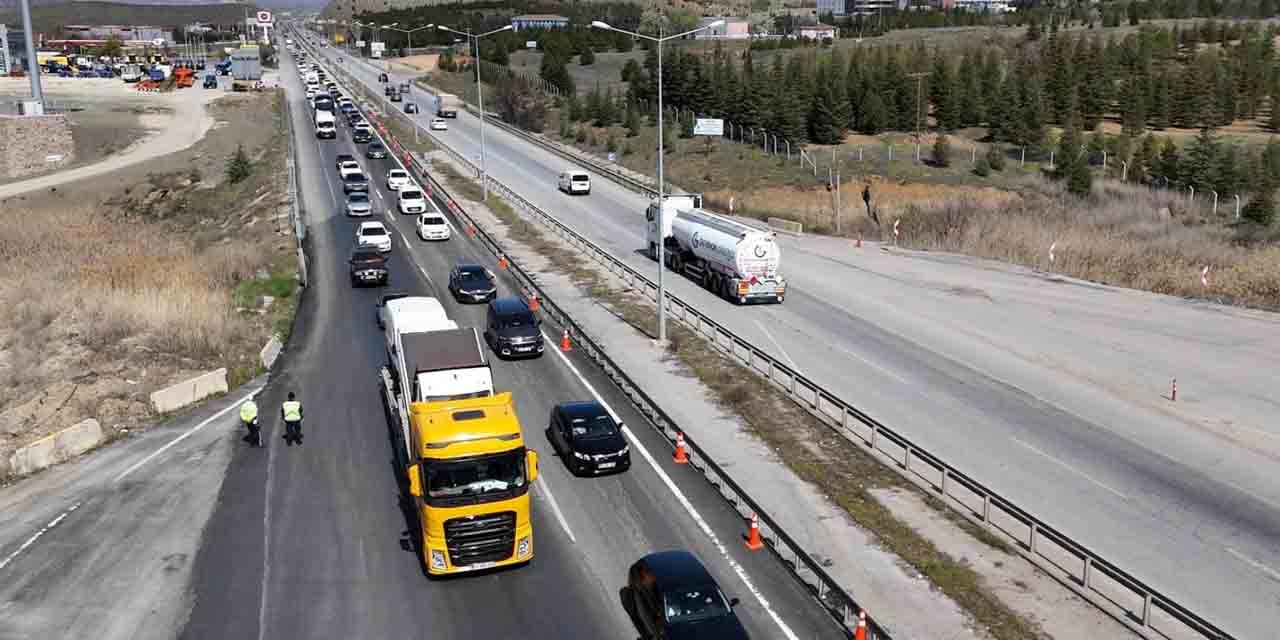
(512, 330)
(368, 266)
(670, 595)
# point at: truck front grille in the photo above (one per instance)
(486, 538)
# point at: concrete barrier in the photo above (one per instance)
(189, 392)
(270, 352)
(55, 448)
(786, 226)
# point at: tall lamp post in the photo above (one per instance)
(33, 62)
(659, 39)
(409, 33)
(475, 38)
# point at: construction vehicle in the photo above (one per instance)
(462, 447)
(131, 73)
(731, 259)
(184, 77)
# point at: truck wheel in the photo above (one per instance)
(653, 251)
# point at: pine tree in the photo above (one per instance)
(1070, 151)
(1261, 209)
(630, 69)
(1133, 108)
(1144, 160)
(1096, 85)
(1229, 176)
(1162, 103)
(968, 108)
(1169, 165)
(633, 121)
(825, 127)
(1275, 109)
(875, 117)
(1060, 88)
(942, 151)
(995, 157)
(1200, 167)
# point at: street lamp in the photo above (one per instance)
(659, 39)
(484, 174)
(409, 33)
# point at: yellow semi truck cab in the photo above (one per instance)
(470, 483)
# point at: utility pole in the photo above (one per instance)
(33, 63)
(919, 76)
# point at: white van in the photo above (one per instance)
(574, 181)
(325, 127)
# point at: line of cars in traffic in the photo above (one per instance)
(669, 594)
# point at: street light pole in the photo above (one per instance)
(484, 171)
(33, 63)
(661, 253)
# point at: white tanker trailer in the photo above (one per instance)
(733, 260)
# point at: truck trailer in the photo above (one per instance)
(738, 262)
(462, 448)
(447, 105)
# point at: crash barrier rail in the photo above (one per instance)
(296, 208)
(1100, 581)
(1103, 583)
(838, 603)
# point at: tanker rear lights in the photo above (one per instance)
(780, 290)
(744, 288)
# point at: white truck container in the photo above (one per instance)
(447, 105)
(738, 262)
(326, 126)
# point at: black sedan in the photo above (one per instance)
(368, 267)
(670, 595)
(375, 150)
(471, 283)
(588, 439)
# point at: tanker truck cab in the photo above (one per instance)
(470, 483)
(736, 261)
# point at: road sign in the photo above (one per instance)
(708, 127)
(264, 18)
(360, 43)
(531, 44)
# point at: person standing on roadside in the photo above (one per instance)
(249, 416)
(291, 413)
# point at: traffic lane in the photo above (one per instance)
(617, 519)
(533, 596)
(617, 504)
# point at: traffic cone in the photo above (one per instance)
(564, 341)
(502, 262)
(754, 542)
(471, 230)
(533, 302)
(861, 633)
(680, 456)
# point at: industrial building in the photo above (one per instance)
(539, 21)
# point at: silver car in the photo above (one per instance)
(358, 205)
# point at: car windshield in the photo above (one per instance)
(699, 602)
(433, 220)
(355, 177)
(375, 146)
(373, 231)
(399, 174)
(592, 427)
(514, 321)
(358, 198)
(411, 195)
(476, 477)
(472, 279)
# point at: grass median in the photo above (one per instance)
(837, 467)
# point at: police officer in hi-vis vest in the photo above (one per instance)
(291, 412)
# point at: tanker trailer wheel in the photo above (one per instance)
(653, 251)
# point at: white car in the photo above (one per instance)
(433, 226)
(348, 167)
(374, 235)
(412, 200)
(398, 179)
(439, 124)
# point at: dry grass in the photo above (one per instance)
(1125, 236)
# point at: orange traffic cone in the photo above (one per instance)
(471, 230)
(680, 456)
(533, 302)
(753, 535)
(861, 633)
(564, 341)
(502, 262)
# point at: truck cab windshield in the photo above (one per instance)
(479, 479)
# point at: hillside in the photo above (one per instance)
(48, 16)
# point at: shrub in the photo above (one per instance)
(942, 151)
(581, 136)
(983, 167)
(238, 167)
(995, 158)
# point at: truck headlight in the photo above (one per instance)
(437, 559)
(523, 547)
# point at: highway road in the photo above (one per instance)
(1048, 390)
(312, 541)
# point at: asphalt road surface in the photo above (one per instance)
(1048, 390)
(313, 541)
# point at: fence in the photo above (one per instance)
(839, 604)
(1105, 584)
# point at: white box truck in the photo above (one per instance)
(738, 262)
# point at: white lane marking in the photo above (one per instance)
(870, 363)
(1069, 468)
(1275, 575)
(36, 536)
(1269, 502)
(192, 430)
(564, 524)
(784, 353)
(680, 497)
(266, 531)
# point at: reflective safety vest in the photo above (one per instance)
(248, 411)
(292, 411)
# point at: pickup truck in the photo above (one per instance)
(368, 267)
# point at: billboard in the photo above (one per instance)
(4, 51)
(264, 19)
(708, 127)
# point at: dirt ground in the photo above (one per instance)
(132, 281)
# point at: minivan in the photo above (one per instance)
(512, 330)
(574, 181)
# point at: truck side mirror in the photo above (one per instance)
(415, 481)
(531, 464)
(733, 602)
